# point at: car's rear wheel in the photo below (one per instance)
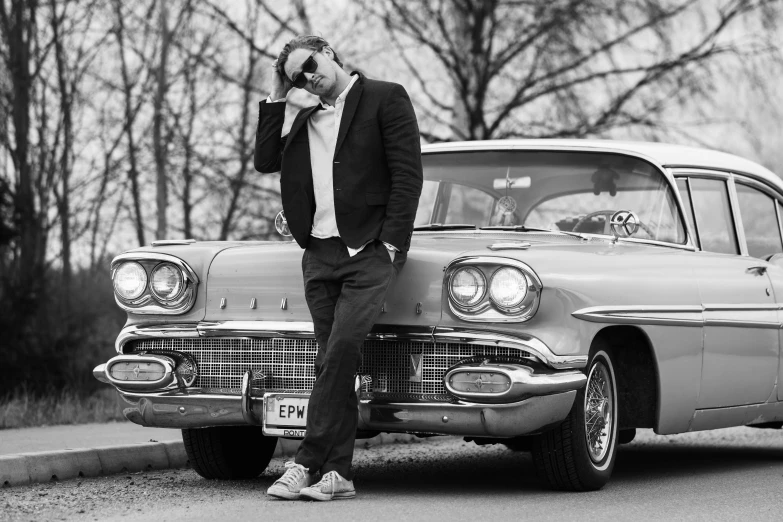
(579, 454)
(228, 452)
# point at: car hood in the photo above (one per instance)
(264, 281)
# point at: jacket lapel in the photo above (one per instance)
(351, 103)
(300, 120)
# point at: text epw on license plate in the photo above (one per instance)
(285, 415)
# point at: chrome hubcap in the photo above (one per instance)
(599, 412)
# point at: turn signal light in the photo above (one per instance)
(479, 382)
(137, 371)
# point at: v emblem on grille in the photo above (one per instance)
(415, 370)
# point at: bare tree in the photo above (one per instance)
(160, 148)
(18, 24)
(130, 116)
(563, 68)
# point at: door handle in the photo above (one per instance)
(757, 270)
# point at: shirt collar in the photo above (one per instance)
(343, 95)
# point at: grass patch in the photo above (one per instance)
(22, 409)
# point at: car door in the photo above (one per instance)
(741, 327)
(760, 208)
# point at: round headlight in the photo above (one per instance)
(167, 281)
(508, 287)
(467, 286)
(130, 280)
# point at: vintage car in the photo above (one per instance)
(557, 296)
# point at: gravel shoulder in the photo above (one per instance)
(717, 475)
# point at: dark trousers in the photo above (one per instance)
(345, 295)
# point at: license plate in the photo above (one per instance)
(285, 415)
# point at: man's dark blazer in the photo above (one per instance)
(377, 174)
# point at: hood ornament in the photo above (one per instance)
(510, 245)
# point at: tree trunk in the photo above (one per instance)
(19, 28)
(244, 149)
(65, 165)
(133, 172)
(157, 125)
(187, 174)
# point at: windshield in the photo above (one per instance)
(559, 191)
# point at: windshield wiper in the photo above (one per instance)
(442, 226)
(523, 228)
(516, 228)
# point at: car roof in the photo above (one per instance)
(663, 154)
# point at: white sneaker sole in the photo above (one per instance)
(283, 493)
(314, 495)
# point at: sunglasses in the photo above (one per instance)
(309, 66)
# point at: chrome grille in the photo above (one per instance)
(281, 364)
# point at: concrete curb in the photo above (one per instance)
(46, 466)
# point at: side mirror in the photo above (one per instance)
(281, 225)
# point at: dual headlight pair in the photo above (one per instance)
(166, 282)
(147, 283)
(487, 289)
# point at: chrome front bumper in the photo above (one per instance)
(539, 395)
(198, 410)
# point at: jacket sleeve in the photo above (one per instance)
(403, 156)
(268, 155)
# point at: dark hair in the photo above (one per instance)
(308, 41)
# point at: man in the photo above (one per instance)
(350, 181)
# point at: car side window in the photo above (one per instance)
(685, 195)
(712, 211)
(759, 221)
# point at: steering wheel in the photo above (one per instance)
(607, 217)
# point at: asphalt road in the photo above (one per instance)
(720, 475)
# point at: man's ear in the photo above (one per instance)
(328, 52)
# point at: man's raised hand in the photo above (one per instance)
(280, 83)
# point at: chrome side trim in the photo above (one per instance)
(739, 323)
(682, 315)
(685, 315)
(520, 341)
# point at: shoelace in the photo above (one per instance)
(293, 474)
(328, 482)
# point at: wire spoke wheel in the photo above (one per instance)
(579, 454)
(599, 412)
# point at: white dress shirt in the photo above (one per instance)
(322, 128)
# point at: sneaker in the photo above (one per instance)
(291, 483)
(331, 486)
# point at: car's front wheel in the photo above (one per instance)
(228, 452)
(579, 454)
